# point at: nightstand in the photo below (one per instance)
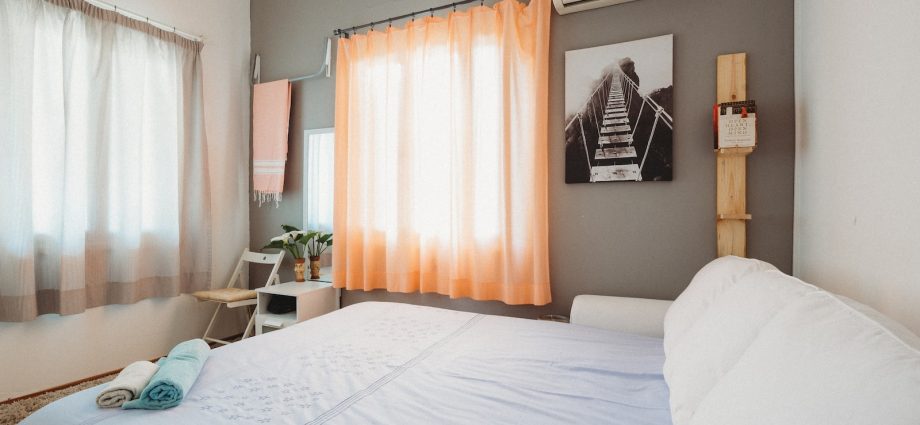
(314, 298)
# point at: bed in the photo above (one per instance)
(403, 364)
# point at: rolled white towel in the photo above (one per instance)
(127, 385)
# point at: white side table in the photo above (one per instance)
(313, 298)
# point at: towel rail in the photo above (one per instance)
(325, 70)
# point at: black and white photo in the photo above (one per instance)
(619, 112)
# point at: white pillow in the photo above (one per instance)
(896, 328)
(819, 361)
(708, 283)
(715, 342)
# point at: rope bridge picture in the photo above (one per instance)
(622, 132)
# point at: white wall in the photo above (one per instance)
(857, 206)
(53, 350)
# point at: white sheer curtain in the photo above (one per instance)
(103, 170)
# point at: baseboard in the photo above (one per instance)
(80, 381)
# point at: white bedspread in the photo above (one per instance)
(393, 363)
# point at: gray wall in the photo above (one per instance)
(627, 239)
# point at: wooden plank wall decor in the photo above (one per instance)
(731, 164)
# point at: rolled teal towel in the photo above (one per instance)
(178, 372)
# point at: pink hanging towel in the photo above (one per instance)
(271, 111)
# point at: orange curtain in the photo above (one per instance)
(441, 156)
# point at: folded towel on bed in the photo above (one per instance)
(178, 372)
(127, 385)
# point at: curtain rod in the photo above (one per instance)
(344, 33)
(136, 16)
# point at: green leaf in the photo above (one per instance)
(275, 245)
(324, 237)
(289, 228)
(329, 242)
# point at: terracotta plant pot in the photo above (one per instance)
(299, 269)
(314, 268)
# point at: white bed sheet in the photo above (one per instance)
(394, 363)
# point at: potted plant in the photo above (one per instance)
(316, 242)
(299, 242)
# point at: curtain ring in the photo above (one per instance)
(413, 16)
(454, 5)
(431, 12)
(390, 23)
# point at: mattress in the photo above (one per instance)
(392, 363)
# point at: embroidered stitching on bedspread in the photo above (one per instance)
(345, 404)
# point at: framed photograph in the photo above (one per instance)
(619, 107)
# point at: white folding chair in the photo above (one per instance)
(233, 297)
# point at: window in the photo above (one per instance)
(103, 171)
(442, 156)
(318, 175)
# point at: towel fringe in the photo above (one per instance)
(266, 197)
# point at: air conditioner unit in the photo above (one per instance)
(572, 6)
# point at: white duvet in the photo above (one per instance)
(393, 363)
